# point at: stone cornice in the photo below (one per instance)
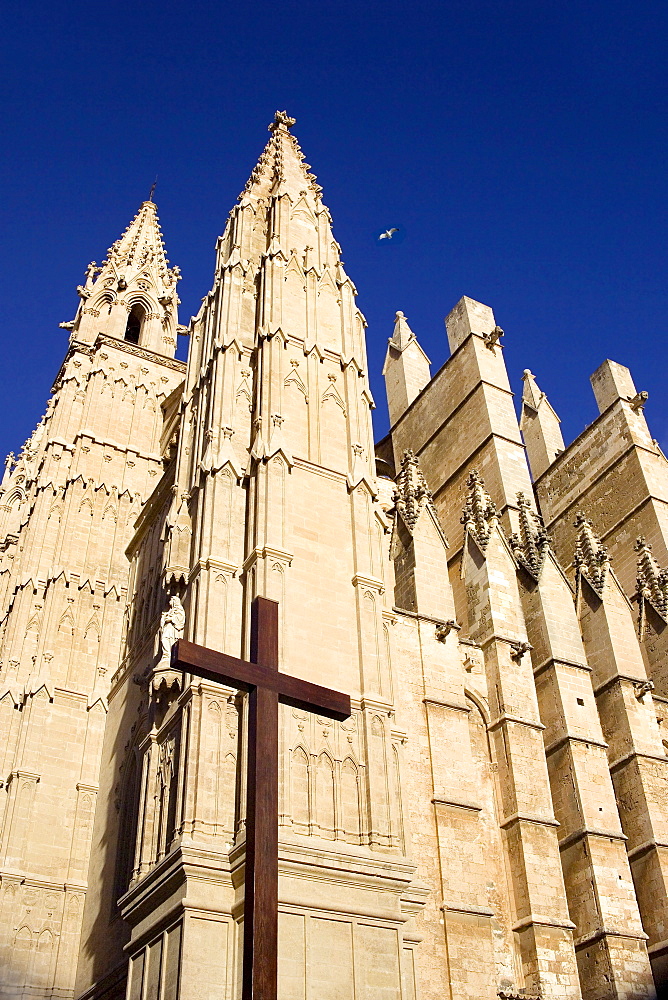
(141, 352)
(267, 552)
(578, 835)
(361, 580)
(572, 738)
(79, 347)
(76, 347)
(453, 804)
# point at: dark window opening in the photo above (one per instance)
(134, 325)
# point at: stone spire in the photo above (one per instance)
(412, 495)
(281, 168)
(406, 368)
(532, 542)
(402, 335)
(591, 556)
(540, 427)
(480, 514)
(652, 580)
(132, 294)
(278, 245)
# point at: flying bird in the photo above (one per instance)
(387, 235)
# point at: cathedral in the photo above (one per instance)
(492, 819)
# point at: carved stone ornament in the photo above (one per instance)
(493, 338)
(652, 580)
(281, 120)
(412, 494)
(505, 995)
(591, 556)
(480, 514)
(519, 649)
(641, 688)
(443, 631)
(638, 401)
(531, 545)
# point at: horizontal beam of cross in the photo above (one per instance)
(224, 669)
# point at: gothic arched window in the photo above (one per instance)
(134, 324)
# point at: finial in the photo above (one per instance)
(532, 542)
(153, 186)
(282, 122)
(412, 493)
(480, 514)
(592, 558)
(652, 580)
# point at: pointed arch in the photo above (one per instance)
(387, 644)
(370, 638)
(56, 510)
(33, 622)
(398, 806)
(299, 789)
(324, 795)
(302, 212)
(23, 936)
(479, 704)
(104, 301)
(227, 809)
(137, 299)
(42, 958)
(66, 622)
(350, 801)
(110, 511)
(21, 955)
(135, 322)
(377, 727)
(93, 626)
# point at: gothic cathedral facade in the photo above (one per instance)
(492, 820)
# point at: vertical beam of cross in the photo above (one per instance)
(260, 961)
(266, 687)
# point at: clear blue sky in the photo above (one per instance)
(520, 143)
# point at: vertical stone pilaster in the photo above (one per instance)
(638, 765)
(609, 938)
(496, 621)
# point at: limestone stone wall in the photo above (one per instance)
(491, 820)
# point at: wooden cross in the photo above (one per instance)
(266, 687)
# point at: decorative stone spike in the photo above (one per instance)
(532, 543)
(480, 514)
(652, 580)
(591, 556)
(412, 494)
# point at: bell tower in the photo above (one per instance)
(132, 295)
(68, 505)
(272, 493)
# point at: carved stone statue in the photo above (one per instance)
(172, 623)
